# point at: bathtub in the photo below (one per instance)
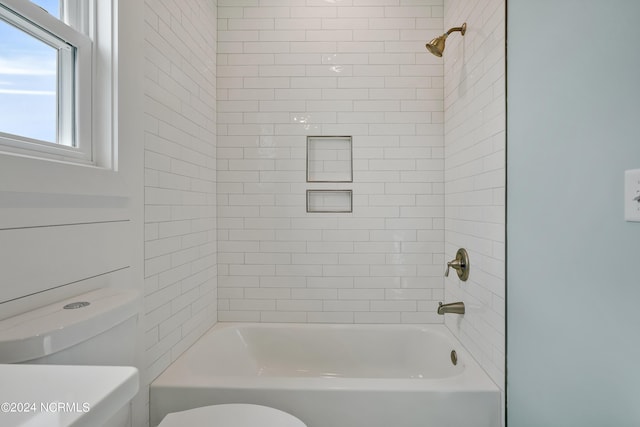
(333, 375)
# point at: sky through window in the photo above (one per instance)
(28, 81)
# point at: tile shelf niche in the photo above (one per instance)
(329, 160)
(329, 201)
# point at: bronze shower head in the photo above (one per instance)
(436, 46)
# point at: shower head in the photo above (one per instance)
(436, 46)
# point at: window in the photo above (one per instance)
(54, 96)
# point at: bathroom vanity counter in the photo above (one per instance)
(61, 396)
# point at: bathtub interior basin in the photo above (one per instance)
(323, 352)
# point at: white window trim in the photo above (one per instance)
(94, 73)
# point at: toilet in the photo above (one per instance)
(231, 415)
(99, 328)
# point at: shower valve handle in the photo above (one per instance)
(460, 264)
(455, 264)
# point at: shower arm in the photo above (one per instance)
(462, 29)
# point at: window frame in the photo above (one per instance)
(90, 128)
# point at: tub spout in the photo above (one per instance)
(454, 307)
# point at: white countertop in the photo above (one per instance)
(61, 396)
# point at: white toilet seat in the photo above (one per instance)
(231, 415)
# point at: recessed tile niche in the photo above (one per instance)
(329, 201)
(329, 159)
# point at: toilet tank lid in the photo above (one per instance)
(52, 328)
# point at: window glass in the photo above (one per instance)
(51, 6)
(28, 85)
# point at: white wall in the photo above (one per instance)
(475, 176)
(573, 287)
(180, 178)
(288, 69)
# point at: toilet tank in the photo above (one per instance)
(95, 328)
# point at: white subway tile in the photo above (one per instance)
(252, 270)
(377, 247)
(314, 294)
(281, 35)
(421, 317)
(330, 317)
(246, 304)
(378, 317)
(313, 12)
(346, 306)
(283, 317)
(360, 12)
(356, 82)
(299, 305)
(408, 294)
(329, 247)
(267, 258)
(345, 235)
(280, 246)
(316, 258)
(399, 306)
(283, 281)
(265, 12)
(360, 294)
(361, 258)
(226, 281)
(345, 270)
(311, 46)
(330, 282)
(378, 282)
(266, 293)
(238, 316)
(344, 23)
(299, 270)
(393, 270)
(298, 23)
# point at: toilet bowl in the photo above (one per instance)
(231, 415)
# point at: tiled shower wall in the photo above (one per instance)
(180, 177)
(288, 69)
(475, 163)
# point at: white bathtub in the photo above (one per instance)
(333, 376)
